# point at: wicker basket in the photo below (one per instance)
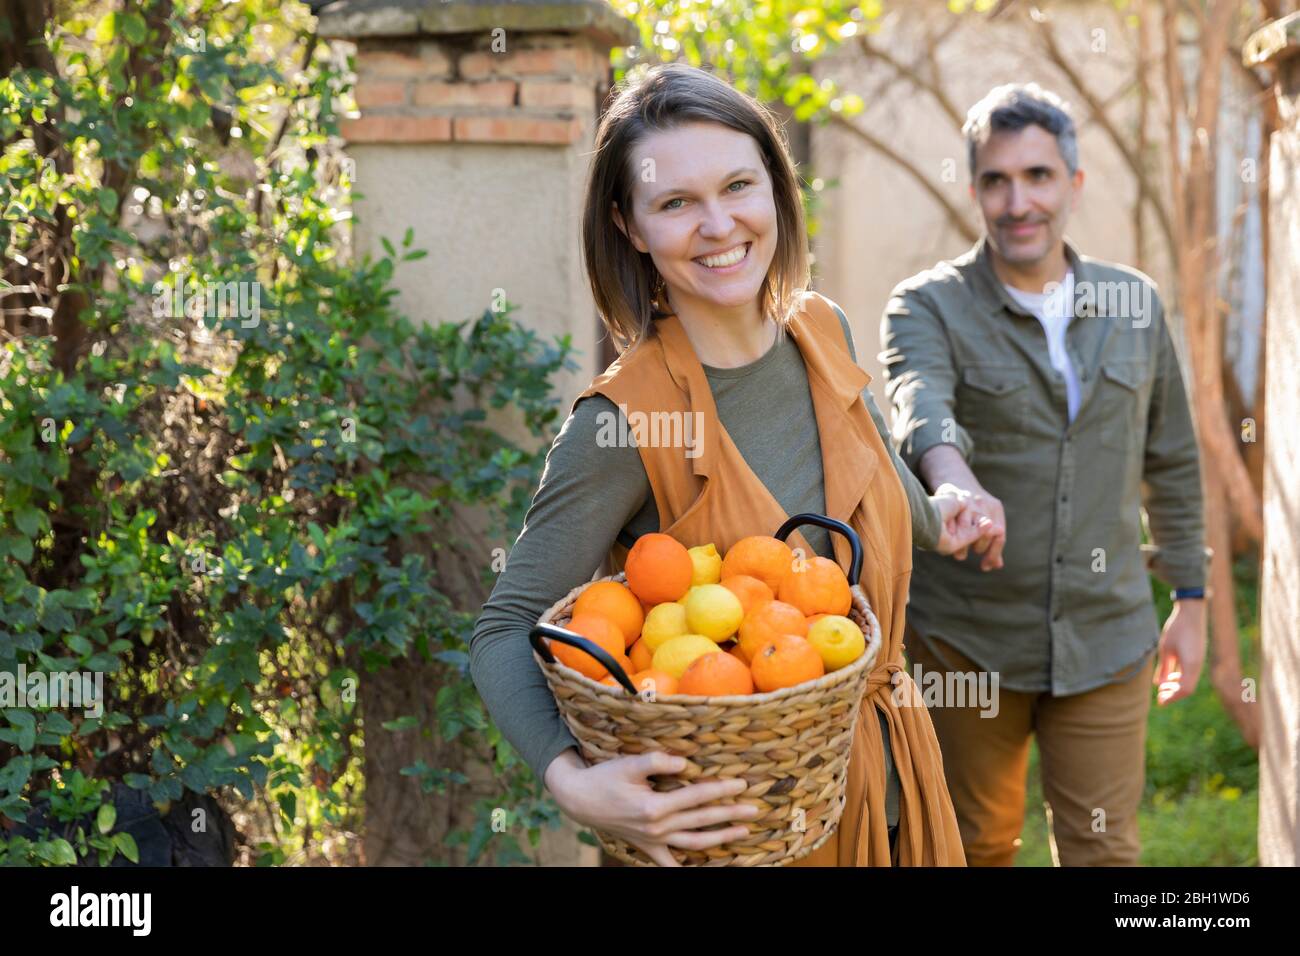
(791, 745)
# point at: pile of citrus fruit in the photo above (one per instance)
(691, 621)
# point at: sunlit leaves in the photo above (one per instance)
(764, 48)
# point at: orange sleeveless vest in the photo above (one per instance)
(708, 493)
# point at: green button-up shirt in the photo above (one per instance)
(966, 365)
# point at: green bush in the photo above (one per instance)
(232, 512)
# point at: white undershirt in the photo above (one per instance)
(1054, 311)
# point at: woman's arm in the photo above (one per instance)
(587, 494)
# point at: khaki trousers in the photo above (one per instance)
(1092, 754)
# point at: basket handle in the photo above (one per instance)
(830, 524)
(581, 643)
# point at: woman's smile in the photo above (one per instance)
(726, 262)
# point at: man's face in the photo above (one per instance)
(701, 190)
(1025, 193)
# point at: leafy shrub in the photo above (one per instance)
(227, 463)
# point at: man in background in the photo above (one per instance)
(1044, 385)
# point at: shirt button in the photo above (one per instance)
(1059, 559)
(1064, 499)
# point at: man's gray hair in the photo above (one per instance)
(1011, 108)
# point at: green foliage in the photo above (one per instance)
(763, 48)
(226, 483)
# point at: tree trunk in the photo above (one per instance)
(1228, 491)
(403, 825)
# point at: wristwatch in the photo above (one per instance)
(1182, 594)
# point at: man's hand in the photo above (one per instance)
(962, 525)
(986, 515)
(1182, 652)
(945, 472)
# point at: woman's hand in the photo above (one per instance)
(616, 797)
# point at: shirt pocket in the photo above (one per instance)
(1119, 419)
(993, 403)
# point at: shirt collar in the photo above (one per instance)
(990, 289)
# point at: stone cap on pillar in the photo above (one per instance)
(1273, 42)
(356, 19)
(529, 72)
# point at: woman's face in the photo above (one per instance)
(703, 210)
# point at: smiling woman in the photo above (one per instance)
(696, 251)
(682, 183)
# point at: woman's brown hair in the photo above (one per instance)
(624, 281)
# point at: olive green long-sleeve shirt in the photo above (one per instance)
(767, 409)
(966, 365)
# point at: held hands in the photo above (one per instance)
(1181, 652)
(971, 519)
(616, 797)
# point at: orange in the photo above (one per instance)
(759, 556)
(596, 629)
(641, 655)
(768, 621)
(785, 661)
(615, 603)
(818, 587)
(625, 662)
(658, 568)
(628, 669)
(716, 675)
(751, 591)
(661, 682)
(814, 618)
(738, 653)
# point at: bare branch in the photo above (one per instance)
(954, 214)
(910, 74)
(1132, 157)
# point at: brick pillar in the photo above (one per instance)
(475, 126)
(1279, 692)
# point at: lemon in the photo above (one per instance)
(838, 640)
(678, 653)
(713, 611)
(664, 622)
(708, 564)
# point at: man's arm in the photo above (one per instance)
(1171, 470)
(938, 523)
(921, 378)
